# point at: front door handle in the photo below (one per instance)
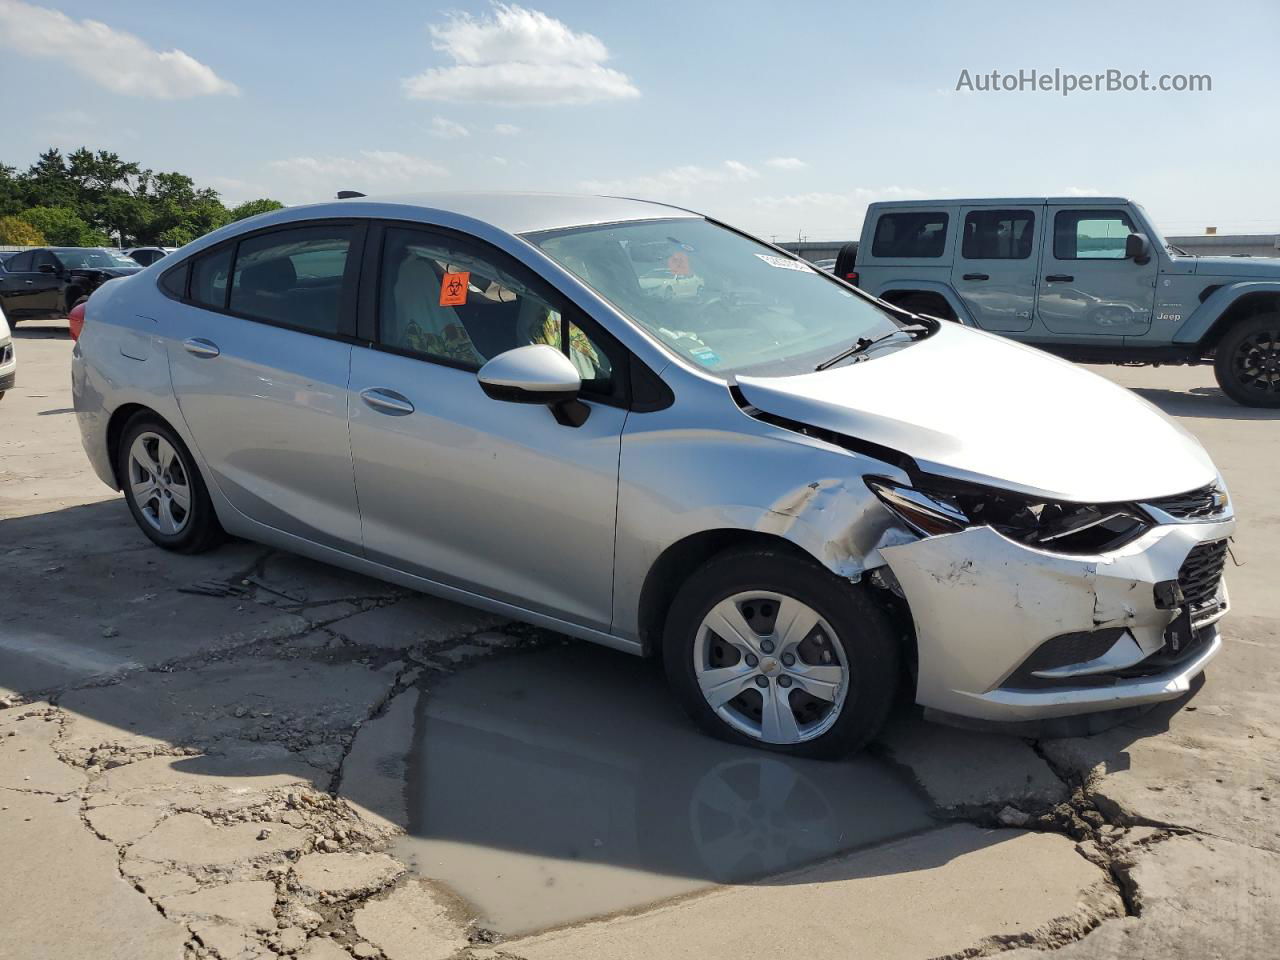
(1059, 278)
(387, 401)
(201, 348)
(977, 276)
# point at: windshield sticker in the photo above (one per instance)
(705, 356)
(453, 288)
(782, 263)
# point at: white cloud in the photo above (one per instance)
(518, 56)
(118, 61)
(1080, 192)
(674, 182)
(447, 129)
(319, 177)
(506, 129)
(500, 161)
(785, 163)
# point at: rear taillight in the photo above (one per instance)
(852, 277)
(76, 320)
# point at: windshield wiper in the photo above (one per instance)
(863, 344)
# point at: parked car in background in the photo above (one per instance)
(48, 281)
(801, 496)
(8, 361)
(828, 265)
(1087, 278)
(146, 256)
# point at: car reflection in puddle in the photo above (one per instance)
(562, 784)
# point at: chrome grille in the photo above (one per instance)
(1202, 504)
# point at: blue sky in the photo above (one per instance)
(783, 118)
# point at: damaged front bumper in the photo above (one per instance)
(1006, 632)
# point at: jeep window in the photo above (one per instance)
(716, 298)
(910, 235)
(1090, 234)
(998, 235)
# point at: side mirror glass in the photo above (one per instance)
(1137, 248)
(536, 373)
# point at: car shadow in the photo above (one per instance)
(563, 777)
(1203, 403)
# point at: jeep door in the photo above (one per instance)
(995, 270)
(1087, 287)
(492, 497)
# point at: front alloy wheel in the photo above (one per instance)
(770, 667)
(767, 648)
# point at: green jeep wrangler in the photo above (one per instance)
(1087, 278)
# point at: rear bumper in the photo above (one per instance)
(984, 604)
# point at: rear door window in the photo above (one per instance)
(998, 235)
(20, 263)
(209, 273)
(910, 235)
(293, 277)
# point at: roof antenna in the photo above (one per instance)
(349, 194)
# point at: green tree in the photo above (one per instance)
(251, 208)
(63, 227)
(16, 232)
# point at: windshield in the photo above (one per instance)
(721, 300)
(89, 258)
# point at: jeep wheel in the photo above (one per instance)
(1247, 361)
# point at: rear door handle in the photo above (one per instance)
(977, 276)
(201, 348)
(387, 401)
(1059, 278)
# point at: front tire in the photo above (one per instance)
(1247, 361)
(164, 489)
(772, 650)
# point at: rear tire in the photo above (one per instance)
(818, 691)
(164, 489)
(1246, 363)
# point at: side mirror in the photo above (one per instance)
(47, 268)
(536, 373)
(1137, 248)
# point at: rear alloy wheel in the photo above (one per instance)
(1247, 362)
(163, 488)
(772, 650)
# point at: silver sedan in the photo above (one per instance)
(797, 495)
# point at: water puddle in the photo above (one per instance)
(562, 784)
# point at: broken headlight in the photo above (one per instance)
(1059, 526)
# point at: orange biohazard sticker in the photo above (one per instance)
(453, 289)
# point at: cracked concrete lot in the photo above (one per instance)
(247, 755)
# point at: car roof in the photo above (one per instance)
(998, 201)
(511, 212)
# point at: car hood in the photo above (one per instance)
(973, 406)
(1258, 267)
